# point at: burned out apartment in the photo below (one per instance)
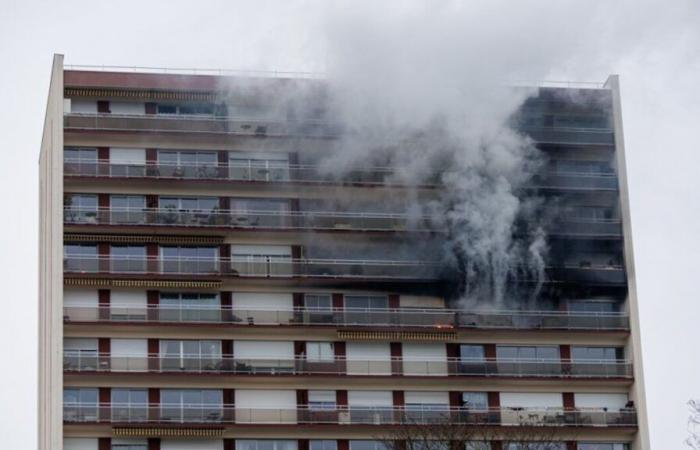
(207, 283)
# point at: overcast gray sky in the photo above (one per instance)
(653, 45)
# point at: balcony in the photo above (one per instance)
(252, 220)
(254, 266)
(185, 123)
(79, 362)
(246, 171)
(575, 181)
(438, 318)
(562, 135)
(353, 415)
(587, 228)
(587, 274)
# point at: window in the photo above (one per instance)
(475, 400)
(190, 355)
(80, 208)
(321, 400)
(127, 209)
(593, 306)
(189, 307)
(128, 258)
(127, 162)
(189, 259)
(594, 353)
(366, 301)
(318, 444)
(258, 166)
(260, 212)
(190, 109)
(129, 444)
(534, 446)
(319, 308)
(582, 167)
(320, 352)
(321, 302)
(526, 352)
(471, 352)
(367, 445)
(188, 210)
(80, 404)
(601, 446)
(422, 407)
(261, 260)
(189, 203)
(129, 405)
(80, 161)
(590, 213)
(187, 164)
(428, 445)
(473, 445)
(191, 405)
(267, 444)
(80, 257)
(80, 354)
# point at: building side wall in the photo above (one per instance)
(637, 393)
(51, 267)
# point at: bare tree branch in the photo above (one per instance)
(441, 433)
(693, 440)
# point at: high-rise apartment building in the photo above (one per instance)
(197, 292)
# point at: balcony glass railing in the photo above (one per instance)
(246, 219)
(357, 317)
(248, 171)
(576, 180)
(283, 172)
(190, 123)
(352, 415)
(582, 227)
(253, 266)
(564, 135)
(483, 367)
(603, 274)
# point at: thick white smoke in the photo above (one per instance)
(437, 102)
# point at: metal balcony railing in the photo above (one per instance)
(352, 415)
(439, 318)
(248, 171)
(282, 172)
(587, 273)
(253, 266)
(581, 227)
(247, 219)
(575, 180)
(74, 361)
(565, 135)
(190, 123)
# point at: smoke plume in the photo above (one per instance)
(427, 104)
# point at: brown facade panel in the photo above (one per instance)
(103, 301)
(396, 352)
